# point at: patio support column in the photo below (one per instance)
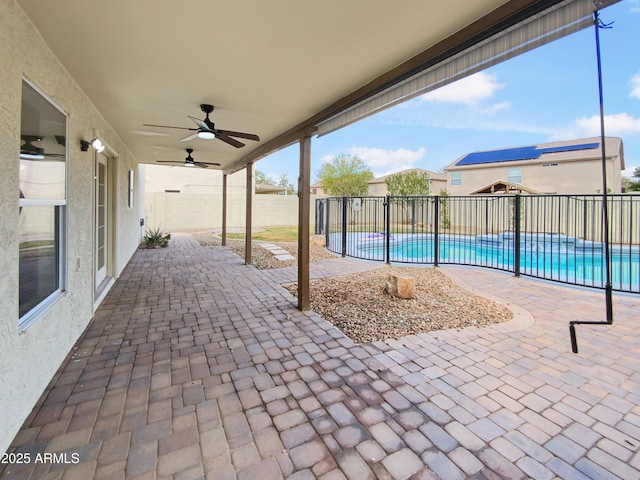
(247, 236)
(304, 205)
(224, 209)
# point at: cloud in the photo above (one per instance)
(380, 159)
(635, 86)
(629, 171)
(468, 91)
(476, 120)
(617, 124)
(635, 6)
(496, 107)
(327, 158)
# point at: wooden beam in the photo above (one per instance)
(505, 16)
(249, 203)
(224, 209)
(304, 205)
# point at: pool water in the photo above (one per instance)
(558, 258)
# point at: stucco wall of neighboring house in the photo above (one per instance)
(379, 189)
(159, 178)
(29, 359)
(582, 177)
(317, 189)
(437, 183)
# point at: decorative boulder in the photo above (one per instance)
(401, 287)
(318, 240)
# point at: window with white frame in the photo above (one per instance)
(456, 178)
(514, 175)
(42, 204)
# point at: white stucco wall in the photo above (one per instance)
(29, 359)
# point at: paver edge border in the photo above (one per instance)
(522, 318)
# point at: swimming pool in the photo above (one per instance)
(549, 256)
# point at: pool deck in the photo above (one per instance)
(197, 366)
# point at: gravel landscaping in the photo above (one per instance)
(261, 258)
(359, 306)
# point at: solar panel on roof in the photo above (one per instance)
(505, 155)
(519, 153)
(569, 148)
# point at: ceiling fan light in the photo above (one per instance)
(189, 164)
(206, 135)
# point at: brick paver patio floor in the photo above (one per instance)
(196, 366)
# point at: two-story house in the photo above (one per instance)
(573, 166)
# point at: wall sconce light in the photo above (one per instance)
(96, 143)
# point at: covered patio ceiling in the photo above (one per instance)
(272, 68)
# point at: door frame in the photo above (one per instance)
(100, 289)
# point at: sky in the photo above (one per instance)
(548, 94)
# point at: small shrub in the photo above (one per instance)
(155, 238)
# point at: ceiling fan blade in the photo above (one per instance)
(209, 163)
(248, 136)
(200, 123)
(231, 141)
(189, 137)
(167, 126)
(201, 165)
(167, 161)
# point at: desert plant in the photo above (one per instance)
(155, 238)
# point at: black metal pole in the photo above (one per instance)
(387, 245)
(605, 207)
(517, 236)
(605, 203)
(413, 216)
(327, 223)
(436, 231)
(344, 226)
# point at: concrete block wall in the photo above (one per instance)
(172, 211)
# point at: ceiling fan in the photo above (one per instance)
(29, 151)
(207, 130)
(189, 161)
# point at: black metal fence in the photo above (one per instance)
(555, 237)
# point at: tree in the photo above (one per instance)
(345, 176)
(633, 184)
(405, 184)
(412, 182)
(283, 181)
(262, 179)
